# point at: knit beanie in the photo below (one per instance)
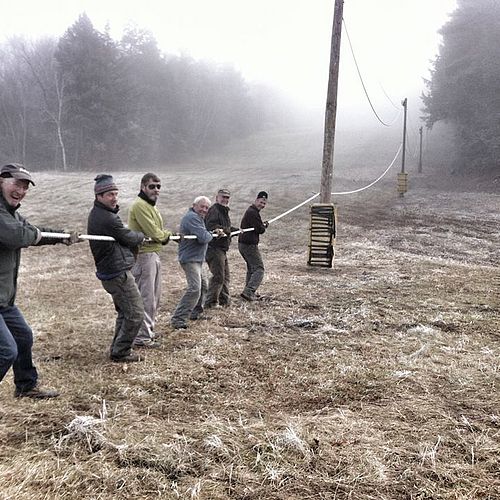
(262, 194)
(104, 183)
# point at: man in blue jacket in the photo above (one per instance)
(191, 257)
(16, 336)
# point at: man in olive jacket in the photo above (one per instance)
(114, 260)
(145, 217)
(16, 337)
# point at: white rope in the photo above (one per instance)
(234, 233)
(294, 208)
(278, 217)
(335, 193)
(96, 237)
(377, 179)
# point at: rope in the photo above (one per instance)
(96, 237)
(270, 221)
(278, 217)
(377, 179)
(335, 193)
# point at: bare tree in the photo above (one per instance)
(43, 66)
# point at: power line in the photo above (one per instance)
(363, 83)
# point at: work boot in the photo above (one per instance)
(36, 393)
(179, 326)
(133, 357)
(195, 317)
(147, 344)
(247, 296)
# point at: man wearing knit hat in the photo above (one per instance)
(16, 336)
(248, 245)
(114, 260)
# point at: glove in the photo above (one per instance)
(74, 237)
(266, 224)
(219, 233)
(167, 239)
(180, 237)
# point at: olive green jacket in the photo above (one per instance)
(146, 218)
(15, 233)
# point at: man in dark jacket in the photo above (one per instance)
(248, 245)
(218, 218)
(114, 260)
(16, 337)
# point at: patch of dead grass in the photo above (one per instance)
(376, 379)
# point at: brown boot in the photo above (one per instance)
(129, 358)
(36, 393)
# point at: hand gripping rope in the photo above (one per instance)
(95, 237)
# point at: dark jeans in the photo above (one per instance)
(16, 342)
(191, 303)
(218, 288)
(255, 267)
(130, 309)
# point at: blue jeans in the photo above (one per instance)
(192, 300)
(16, 342)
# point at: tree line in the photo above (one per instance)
(86, 101)
(464, 89)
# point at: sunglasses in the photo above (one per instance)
(154, 186)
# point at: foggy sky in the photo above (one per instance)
(283, 42)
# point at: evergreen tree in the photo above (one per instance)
(96, 90)
(464, 89)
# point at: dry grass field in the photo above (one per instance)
(377, 379)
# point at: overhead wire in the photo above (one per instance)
(363, 83)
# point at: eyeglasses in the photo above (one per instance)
(154, 186)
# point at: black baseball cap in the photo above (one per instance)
(17, 171)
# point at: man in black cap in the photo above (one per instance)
(248, 245)
(218, 218)
(114, 260)
(16, 336)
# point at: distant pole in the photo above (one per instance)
(403, 176)
(420, 151)
(405, 105)
(331, 106)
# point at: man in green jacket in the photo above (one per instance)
(16, 336)
(145, 217)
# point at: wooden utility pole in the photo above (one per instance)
(420, 151)
(323, 218)
(405, 106)
(403, 176)
(331, 106)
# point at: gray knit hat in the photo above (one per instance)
(104, 183)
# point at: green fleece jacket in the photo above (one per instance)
(146, 218)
